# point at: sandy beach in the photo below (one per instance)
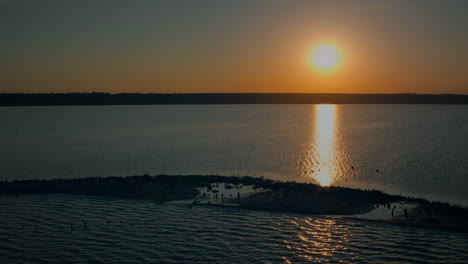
(258, 194)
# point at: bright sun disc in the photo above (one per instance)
(326, 57)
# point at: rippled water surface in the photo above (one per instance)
(417, 150)
(51, 229)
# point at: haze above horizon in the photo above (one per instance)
(217, 46)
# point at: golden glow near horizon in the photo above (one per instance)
(324, 143)
(330, 46)
(326, 57)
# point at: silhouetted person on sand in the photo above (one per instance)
(238, 195)
(393, 210)
(406, 213)
(429, 214)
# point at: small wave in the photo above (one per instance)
(51, 228)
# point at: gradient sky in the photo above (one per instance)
(185, 46)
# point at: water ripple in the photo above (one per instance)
(51, 228)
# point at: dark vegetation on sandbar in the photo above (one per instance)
(278, 195)
(288, 196)
(163, 188)
(39, 99)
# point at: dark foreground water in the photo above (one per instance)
(37, 229)
(417, 150)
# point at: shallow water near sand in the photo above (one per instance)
(416, 150)
(50, 229)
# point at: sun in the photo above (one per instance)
(326, 57)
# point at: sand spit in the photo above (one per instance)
(260, 194)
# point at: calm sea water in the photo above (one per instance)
(50, 229)
(417, 150)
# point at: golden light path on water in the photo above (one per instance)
(324, 139)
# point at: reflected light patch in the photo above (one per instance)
(324, 144)
(324, 176)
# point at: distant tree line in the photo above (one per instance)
(95, 98)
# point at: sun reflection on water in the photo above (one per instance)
(324, 144)
(319, 238)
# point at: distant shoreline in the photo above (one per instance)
(57, 99)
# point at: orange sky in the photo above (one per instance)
(228, 46)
